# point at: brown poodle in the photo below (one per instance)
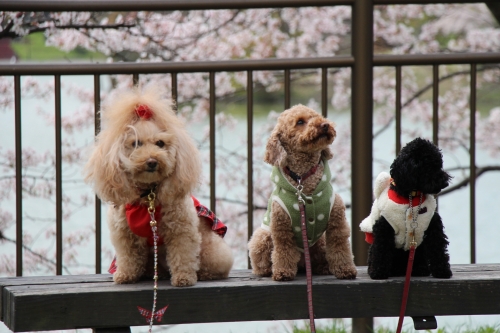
(299, 149)
(144, 148)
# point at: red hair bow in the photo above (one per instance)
(143, 111)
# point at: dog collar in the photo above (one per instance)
(403, 200)
(412, 193)
(304, 176)
(143, 192)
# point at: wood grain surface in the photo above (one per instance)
(94, 301)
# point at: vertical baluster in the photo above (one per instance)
(473, 78)
(324, 92)
(287, 89)
(19, 176)
(98, 213)
(58, 166)
(435, 104)
(250, 155)
(435, 110)
(174, 90)
(398, 109)
(212, 142)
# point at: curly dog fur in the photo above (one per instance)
(300, 139)
(418, 167)
(133, 154)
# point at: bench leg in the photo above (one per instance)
(112, 330)
(425, 323)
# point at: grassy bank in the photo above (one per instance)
(339, 326)
(33, 48)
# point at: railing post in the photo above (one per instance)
(362, 134)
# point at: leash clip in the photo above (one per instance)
(151, 208)
(300, 187)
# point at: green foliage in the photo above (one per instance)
(338, 326)
(32, 48)
(468, 329)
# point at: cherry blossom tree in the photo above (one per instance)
(255, 34)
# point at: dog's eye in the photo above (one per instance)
(300, 122)
(137, 143)
(160, 143)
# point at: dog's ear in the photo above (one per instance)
(186, 175)
(275, 154)
(104, 172)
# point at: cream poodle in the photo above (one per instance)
(144, 148)
(299, 149)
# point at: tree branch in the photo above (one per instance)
(424, 90)
(466, 181)
(8, 33)
(38, 255)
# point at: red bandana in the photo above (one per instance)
(138, 219)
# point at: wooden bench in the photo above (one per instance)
(93, 301)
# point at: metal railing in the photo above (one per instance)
(361, 61)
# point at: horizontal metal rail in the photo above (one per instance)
(436, 59)
(175, 67)
(131, 5)
(422, 2)
(242, 65)
(155, 5)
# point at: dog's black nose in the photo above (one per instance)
(325, 127)
(152, 163)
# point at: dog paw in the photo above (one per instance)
(442, 274)
(378, 276)
(122, 278)
(184, 280)
(262, 272)
(346, 273)
(321, 270)
(282, 275)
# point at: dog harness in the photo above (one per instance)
(395, 209)
(317, 206)
(138, 221)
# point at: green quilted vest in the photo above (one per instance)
(317, 206)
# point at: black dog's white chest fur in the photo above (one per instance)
(398, 215)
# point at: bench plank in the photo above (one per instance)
(93, 301)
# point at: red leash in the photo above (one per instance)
(307, 259)
(406, 290)
(411, 258)
(305, 242)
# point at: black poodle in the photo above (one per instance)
(416, 174)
